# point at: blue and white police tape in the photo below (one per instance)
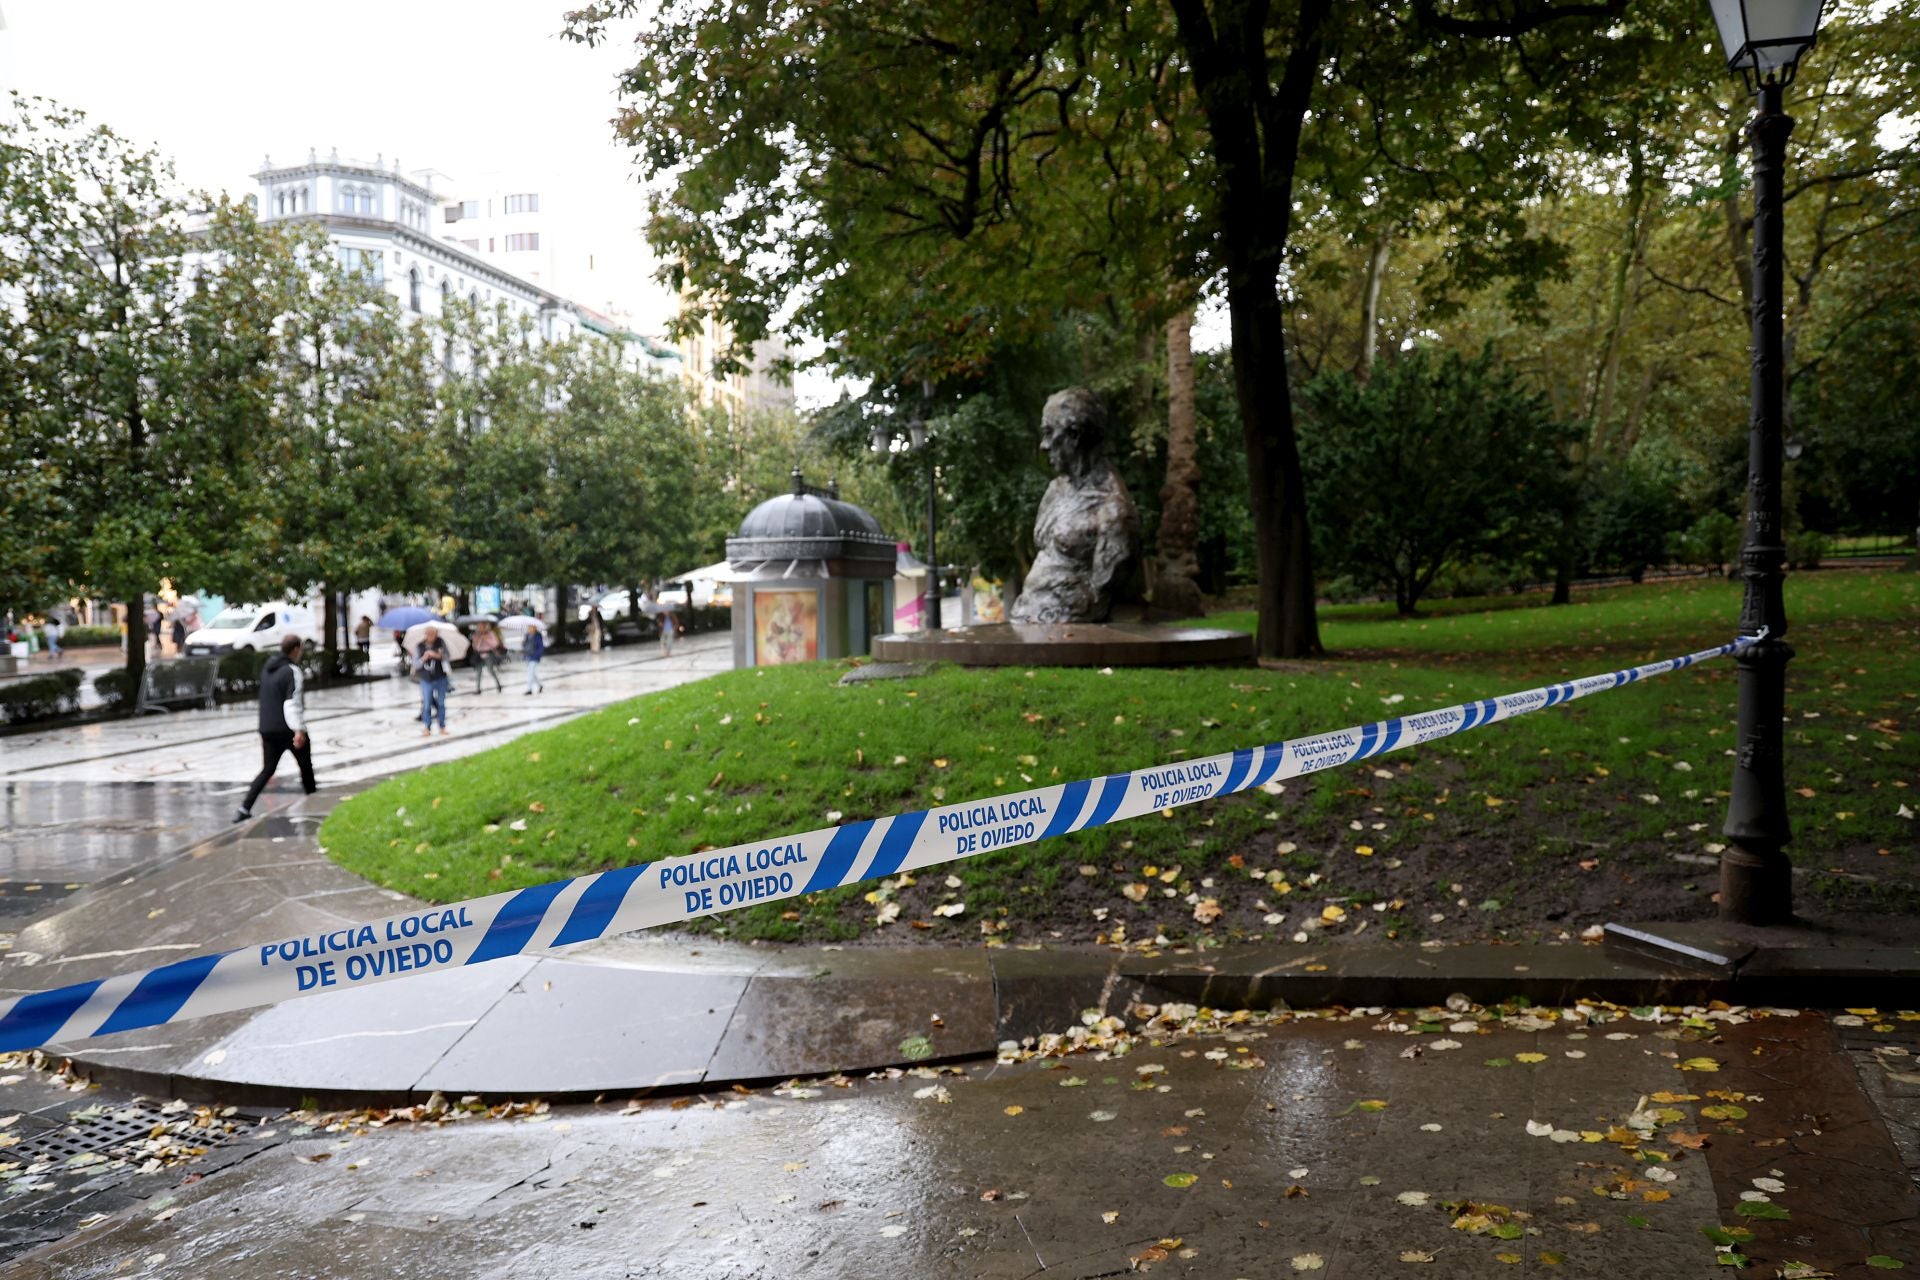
(567, 912)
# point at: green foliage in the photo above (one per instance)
(84, 637)
(115, 688)
(1628, 517)
(1711, 541)
(41, 697)
(1437, 459)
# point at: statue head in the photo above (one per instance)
(1073, 431)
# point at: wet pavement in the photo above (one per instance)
(57, 837)
(360, 731)
(1345, 1146)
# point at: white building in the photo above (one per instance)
(537, 230)
(383, 220)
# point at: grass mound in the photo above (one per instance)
(1608, 808)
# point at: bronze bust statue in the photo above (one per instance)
(1088, 531)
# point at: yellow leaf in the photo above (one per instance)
(1655, 1197)
(1667, 1095)
(1493, 802)
(1529, 1057)
(1365, 850)
(1134, 892)
(1332, 914)
(1699, 1064)
(1015, 1110)
(1507, 1257)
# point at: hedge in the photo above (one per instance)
(41, 697)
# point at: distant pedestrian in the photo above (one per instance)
(669, 632)
(179, 631)
(533, 650)
(53, 630)
(487, 651)
(153, 618)
(363, 635)
(283, 722)
(433, 669)
(596, 628)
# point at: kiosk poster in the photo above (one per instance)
(785, 627)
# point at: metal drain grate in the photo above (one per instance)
(96, 1135)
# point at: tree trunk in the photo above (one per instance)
(1370, 305)
(1253, 129)
(330, 630)
(1176, 566)
(136, 644)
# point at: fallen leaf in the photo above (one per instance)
(1415, 1255)
(1529, 1057)
(1110, 1216)
(1134, 892)
(1698, 1064)
(1885, 1262)
(1691, 1141)
(1206, 911)
(1181, 1180)
(1763, 1209)
(1015, 1110)
(1308, 1262)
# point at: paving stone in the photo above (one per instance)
(570, 1028)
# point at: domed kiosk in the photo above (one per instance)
(812, 578)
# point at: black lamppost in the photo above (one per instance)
(920, 442)
(1764, 40)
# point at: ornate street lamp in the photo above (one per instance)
(1764, 40)
(919, 441)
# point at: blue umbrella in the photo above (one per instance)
(405, 616)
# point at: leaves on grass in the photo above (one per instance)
(1134, 892)
(1206, 911)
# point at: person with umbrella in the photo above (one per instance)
(488, 649)
(433, 668)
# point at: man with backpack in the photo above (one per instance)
(283, 722)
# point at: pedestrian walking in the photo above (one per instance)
(596, 628)
(433, 669)
(487, 650)
(179, 631)
(53, 630)
(283, 723)
(363, 635)
(534, 649)
(669, 632)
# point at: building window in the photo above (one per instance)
(370, 263)
(366, 199)
(472, 244)
(413, 288)
(529, 203)
(446, 295)
(523, 240)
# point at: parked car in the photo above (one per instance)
(253, 626)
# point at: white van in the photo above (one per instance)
(253, 626)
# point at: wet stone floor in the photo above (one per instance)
(1475, 1144)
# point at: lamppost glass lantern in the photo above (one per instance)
(1765, 38)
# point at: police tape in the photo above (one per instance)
(565, 913)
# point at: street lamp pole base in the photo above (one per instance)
(1756, 886)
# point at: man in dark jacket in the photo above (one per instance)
(283, 722)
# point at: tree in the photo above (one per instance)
(1434, 459)
(908, 177)
(139, 360)
(354, 457)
